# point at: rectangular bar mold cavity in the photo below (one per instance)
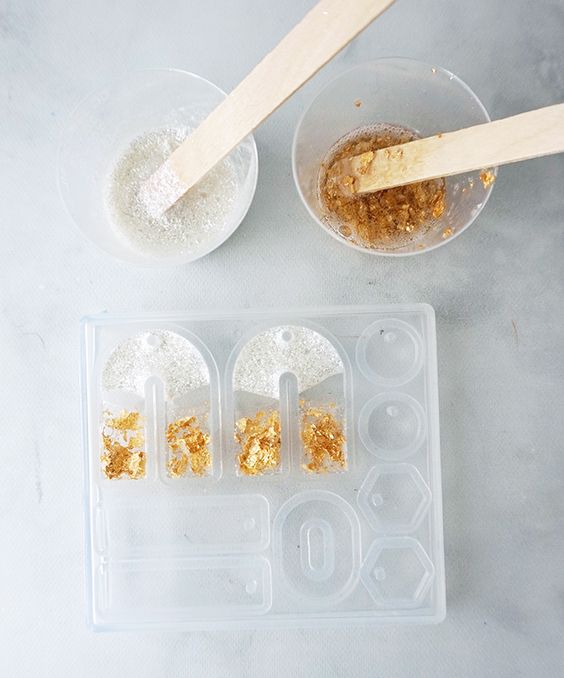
(343, 526)
(189, 525)
(162, 590)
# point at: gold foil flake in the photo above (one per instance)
(137, 440)
(260, 441)
(189, 448)
(487, 177)
(324, 441)
(126, 421)
(438, 205)
(348, 185)
(123, 441)
(364, 161)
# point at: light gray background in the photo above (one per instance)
(498, 291)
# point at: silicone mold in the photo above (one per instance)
(210, 546)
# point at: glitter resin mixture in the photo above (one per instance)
(287, 348)
(159, 353)
(194, 225)
(386, 219)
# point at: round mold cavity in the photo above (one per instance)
(392, 425)
(316, 542)
(389, 352)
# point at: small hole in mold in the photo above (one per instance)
(251, 587)
(392, 411)
(249, 524)
(287, 336)
(377, 500)
(390, 337)
(153, 340)
(379, 574)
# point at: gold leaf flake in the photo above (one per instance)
(189, 448)
(324, 441)
(260, 441)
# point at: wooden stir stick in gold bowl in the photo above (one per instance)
(323, 32)
(520, 137)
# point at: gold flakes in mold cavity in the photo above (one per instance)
(123, 441)
(189, 448)
(487, 177)
(324, 441)
(260, 441)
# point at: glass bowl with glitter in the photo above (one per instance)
(390, 95)
(117, 137)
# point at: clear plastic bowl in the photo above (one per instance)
(404, 92)
(104, 124)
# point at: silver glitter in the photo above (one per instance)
(156, 353)
(161, 190)
(191, 225)
(287, 348)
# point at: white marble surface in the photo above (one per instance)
(498, 291)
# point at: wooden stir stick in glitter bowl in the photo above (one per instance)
(323, 32)
(520, 137)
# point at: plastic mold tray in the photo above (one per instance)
(363, 545)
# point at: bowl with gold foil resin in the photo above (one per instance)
(372, 106)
